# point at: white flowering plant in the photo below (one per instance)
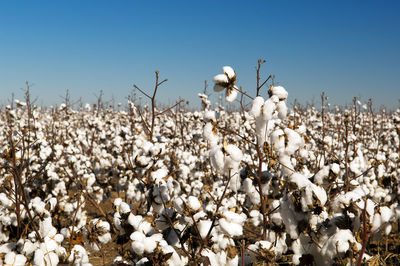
(142, 185)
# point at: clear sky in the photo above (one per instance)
(345, 48)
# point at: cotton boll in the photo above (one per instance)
(217, 158)
(43, 257)
(220, 79)
(269, 107)
(194, 203)
(280, 92)
(14, 259)
(231, 94)
(338, 244)
(258, 103)
(124, 208)
(210, 135)
(232, 223)
(386, 213)
(261, 129)
(138, 247)
(300, 180)
(234, 152)
(175, 259)
(278, 140)
(294, 141)
(321, 175)
(204, 226)
(229, 71)
(209, 115)
(282, 110)
(29, 248)
(5, 202)
(79, 256)
(179, 205)
(149, 244)
(38, 205)
(46, 228)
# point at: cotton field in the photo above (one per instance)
(269, 184)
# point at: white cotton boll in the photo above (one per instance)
(229, 71)
(79, 256)
(386, 214)
(230, 95)
(204, 226)
(235, 217)
(234, 152)
(295, 141)
(229, 228)
(234, 184)
(269, 107)
(58, 238)
(287, 168)
(45, 258)
(38, 259)
(105, 238)
(5, 202)
(335, 168)
(38, 205)
(322, 174)
(258, 102)
(46, 228)
(149, 244)
(142, 262)
(232, 223)
(134, 220)
(209, 135)
(29, 248)
(175, 259)
(49, 244)
(338, 243)
(211, 256)
(278, 140)
(320, 193)
(220, 79)
(217, 158)
(282, 110)
(194, 203)
(145, 227)
(209, 115)
(159, 174)
(14, 259)
(137, 236)
(7, 247)
(124, 207)
(394, 157)
(280, 92)
(276, 218)
(261, 127)
(300, 180)
(53, 203)
(117, 202)
(178, 204)
(138, 247)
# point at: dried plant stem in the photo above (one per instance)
(262, 200)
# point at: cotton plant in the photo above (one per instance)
(226, 160)
(97, 234)
(265, 112)
(79, 256)
(226, 81)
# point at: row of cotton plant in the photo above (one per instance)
(212, 187)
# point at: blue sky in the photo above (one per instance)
(345, 48)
